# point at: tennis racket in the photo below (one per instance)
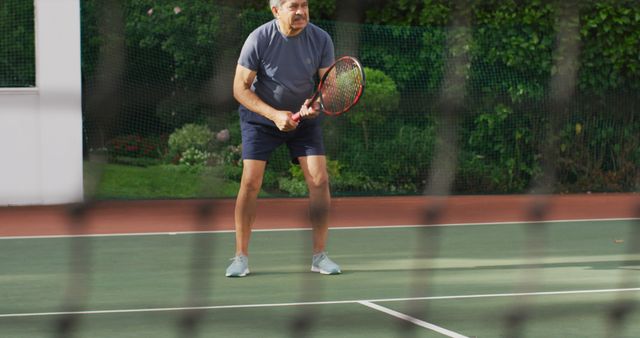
(340, 88)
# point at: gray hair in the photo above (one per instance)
(275, 3)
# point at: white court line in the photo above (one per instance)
(413, 320)
(371, 227)
(244, 306)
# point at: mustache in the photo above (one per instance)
(299, 17)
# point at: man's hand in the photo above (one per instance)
(283, 120)
(309, 112)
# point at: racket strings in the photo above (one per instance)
(342, 87)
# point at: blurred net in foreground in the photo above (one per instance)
(440, 119)
(157, 98)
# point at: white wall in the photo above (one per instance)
(41, 128)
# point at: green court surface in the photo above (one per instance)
(564, 278)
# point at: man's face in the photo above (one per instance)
(293, 15)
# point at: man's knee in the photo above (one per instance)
(251, 185)
(318, 181)
(252, 175)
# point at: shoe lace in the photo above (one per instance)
(320, 257)
(237, 258)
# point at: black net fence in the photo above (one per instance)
(486, 104)
(17, 44)
(158, 103)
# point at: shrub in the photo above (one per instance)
(381, 96)
(292, 186)
(296, 185)
(136, 146)
(599, 155)
(610, 31)
(400, 160)
(194, 157)
(190, 136)
(502, 143)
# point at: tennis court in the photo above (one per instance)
(486, 184)
(559, 278)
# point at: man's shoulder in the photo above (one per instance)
(266, 29)
(262, 36)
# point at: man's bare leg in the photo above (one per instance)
(245, 210)
(317, 178)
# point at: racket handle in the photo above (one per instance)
(296, 117)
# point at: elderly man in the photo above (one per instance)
(274, 77)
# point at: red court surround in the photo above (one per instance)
(108, 217)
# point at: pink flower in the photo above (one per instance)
(223, 135)
(177, 10)
(150, 12)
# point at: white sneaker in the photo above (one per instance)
(323, 264)
(239, 267)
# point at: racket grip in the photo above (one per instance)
(296, 117)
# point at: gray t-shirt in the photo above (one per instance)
(285, 66)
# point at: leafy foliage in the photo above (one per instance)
(17, 44)
(501, 145)
(122, 148)
(180, 54)
(381, 96)
(194, 157)
(190, 136)
(611, 35)
(381, 99)
(185, 30)
(396, 12)
(515, 38)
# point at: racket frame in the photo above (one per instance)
(317, 95)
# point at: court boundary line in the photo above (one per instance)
(335, 302)
(413, 320)
(399, 226)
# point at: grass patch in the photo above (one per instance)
(116, 181)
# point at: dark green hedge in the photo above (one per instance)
(151, 66)
(17, 44)
(512, 57)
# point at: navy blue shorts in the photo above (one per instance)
(259, 141)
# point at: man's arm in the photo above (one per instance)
(312, 112)
(321, 72)
(242, 93)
